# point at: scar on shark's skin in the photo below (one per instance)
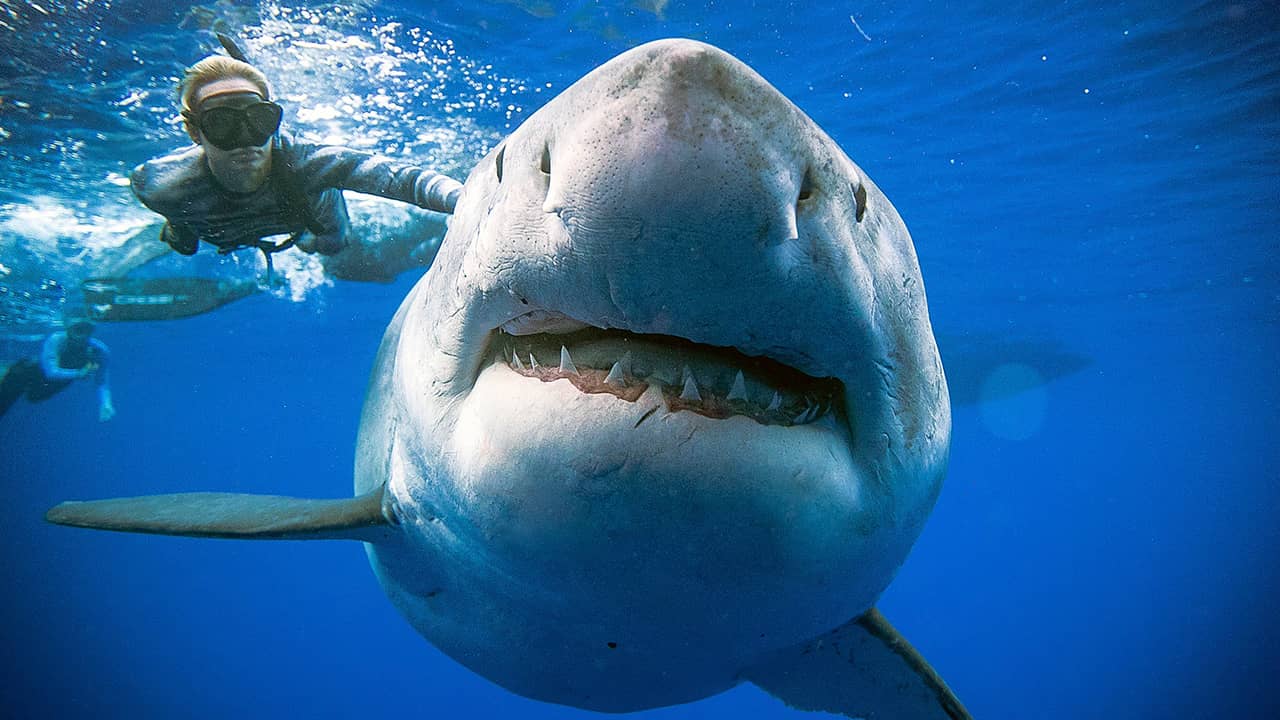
(646, 416)
(671, 228)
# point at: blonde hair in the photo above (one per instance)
(213, 69)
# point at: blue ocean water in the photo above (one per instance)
(1094, 194)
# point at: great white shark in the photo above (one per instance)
(665, 415)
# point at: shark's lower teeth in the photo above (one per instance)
(705, 384)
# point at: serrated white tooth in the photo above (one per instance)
(533, 362)
(615, 375)
(776, 402)
(739, 389)
(690, 391)
(515, 360)
(566, 362)
(805, 416)
(624, 363)
(812, 410)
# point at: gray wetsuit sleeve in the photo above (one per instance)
(327, 166)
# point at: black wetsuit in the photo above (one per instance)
(39, 379)
(302, 194)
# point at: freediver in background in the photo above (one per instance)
(65, 357)
(245, 181)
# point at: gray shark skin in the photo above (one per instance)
(665, 414)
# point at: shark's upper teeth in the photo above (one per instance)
(806, 415)
(690, 391)
(738, 391)
(615, 375)
(566, 362)
(714, 382)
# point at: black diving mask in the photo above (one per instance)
(228, 128)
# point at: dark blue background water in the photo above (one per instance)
(1095, 184)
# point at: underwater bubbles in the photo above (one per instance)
(298, 275)
(1013, 401)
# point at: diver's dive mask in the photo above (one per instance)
(228, 128)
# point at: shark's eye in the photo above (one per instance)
(860, 200)
(497, 162)
(545, 167)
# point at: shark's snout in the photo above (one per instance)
(681, 192)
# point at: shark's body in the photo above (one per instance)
(665, 414)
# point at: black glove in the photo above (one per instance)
(183, 244)
(327, 244)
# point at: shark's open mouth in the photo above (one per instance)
(712, 381)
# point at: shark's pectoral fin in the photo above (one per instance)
(862, 669)
(229, 515)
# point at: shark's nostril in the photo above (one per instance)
(806, 187)
(792, 229)
(802, 198)
(554, 201)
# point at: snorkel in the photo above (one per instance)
(231, 47)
